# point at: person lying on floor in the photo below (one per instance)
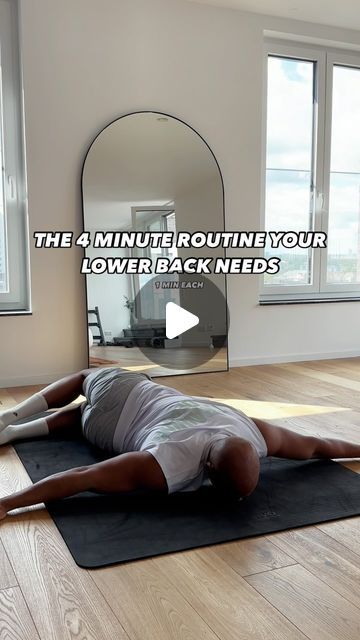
(160, 439)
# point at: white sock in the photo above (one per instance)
(34, 404)
(32, 429)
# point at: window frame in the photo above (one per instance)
(164, 211)
(17, 299)
(325, 58)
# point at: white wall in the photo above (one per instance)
(89, 61)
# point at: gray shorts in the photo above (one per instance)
(106, 391)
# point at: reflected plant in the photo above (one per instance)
(129, 304)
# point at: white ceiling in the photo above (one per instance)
(329, 12)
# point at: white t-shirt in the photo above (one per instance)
(178, 431)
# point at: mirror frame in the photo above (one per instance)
(165, 115)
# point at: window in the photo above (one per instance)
(153, 218)
(14, 281)
(312, 170)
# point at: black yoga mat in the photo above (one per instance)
(101, 530)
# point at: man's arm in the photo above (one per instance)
(127, 472)
(285, 443)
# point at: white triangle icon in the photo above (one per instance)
(178, 320)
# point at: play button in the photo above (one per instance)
(178, 320)
(178, 324)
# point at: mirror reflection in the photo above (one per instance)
(151, 172)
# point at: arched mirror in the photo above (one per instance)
(148, 172)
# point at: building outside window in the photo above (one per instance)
(312, 170)
(14, 264)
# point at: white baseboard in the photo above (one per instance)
(292, 357)
(24, 381)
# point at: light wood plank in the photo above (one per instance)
(7, 576)
(18, 394)
(330, 378)
(253, 556)
(164, 598)
(344, 368)
(326, 558)
(268, 383)
(318, 611)
(63, 599)
(231, 607)
(15, 620)
(188, 359)
(353, 465)
(7, 400)
(347, 532)
(148, 605)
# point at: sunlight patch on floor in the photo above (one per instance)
(273, 410)
(262, 409)
(140, 367)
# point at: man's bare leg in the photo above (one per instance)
(65, 420)
(58, 394)
(60, 421)
(62, 392)
(284, 443)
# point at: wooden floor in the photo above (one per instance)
(156, 361)
(288, 586)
